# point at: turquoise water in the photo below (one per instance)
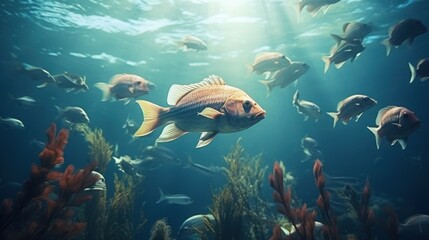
(99, 39)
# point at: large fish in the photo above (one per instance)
(421, 71)
(269, 62)
(395, 124)
(404, 30)
(352, 107)
(194, 228)
(210, 107)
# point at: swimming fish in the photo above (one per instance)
(395, 124)
(71, 82)
(285, 76)
(25, 101)
(306, 108)
(352, 107)
(269, 62)
(12, 122)
(99, 185)
(210, 107)
(310, 147)
(38, 74)
(193, 43)
(314, 6)
(179, 199)
(193, 228)
(415, 226)
(339, 54)
(353, 31)
(404, 30)
(124, 87)
(73, 114)
(421, 71)
(127, 165)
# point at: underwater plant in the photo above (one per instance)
(99, 149)
(160, 230)
(238, 208)
(45, 206)
(119, 219)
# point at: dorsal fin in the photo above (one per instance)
(177, 91)
(381, 113)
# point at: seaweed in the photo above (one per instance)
(160, 230)
(45, 207)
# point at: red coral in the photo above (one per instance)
(53, 153)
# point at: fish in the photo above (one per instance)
(314, 6)
(129, 126)
(318, 232)
(162, 154)
(352, 107)
(38, 74)
(339, 54)
(127, 165)
(285, 76)
(124, 87)
(310, 148)
(353, 31)
(269, 62)
(211, 170)
(193, 228)
(395, 124)
(404, 30)
(71, 82)
(193, 43)
(25, 101)
(210, 107)
(308, 109)
(179, 199)
(99, 185)
(414, 226)
(12, 123)
(72, 114)
(421, 71)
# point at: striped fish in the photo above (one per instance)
(209, 107)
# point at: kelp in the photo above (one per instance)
(160, 230)
(119, 222)
(239, 210)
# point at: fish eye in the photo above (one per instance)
(366, 98)
(247, 105)
(406, 115)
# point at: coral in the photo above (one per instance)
(301, 219)
(238, 208)
(119, 224)
(323, 202)
(160, 231)
(99, 149)
(45, 206)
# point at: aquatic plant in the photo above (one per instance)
(239, 209)
(45, 206)
(323, 202)
(99, 149)
(160, 230)
(119, 220)
(301, 219)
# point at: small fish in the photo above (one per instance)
(269, 62)
(72, 114)
(25, 101)
(341, 53)
(310, 147)
(71, 82)
(404, 30)
(193, 228)
(125, 87)
(162, 154)
(12, 123)
(129, 126)
(179, 199)
(193, 43)
(352, 107)
(314, 6)
(308, 109)
(38, 74)
(127, 165)
(353, 31)
(206, 170)
(210, 107)
(318, 232)
(286, 76)
(99, 185)
(421, 71)
(415, 226)
(395, 124)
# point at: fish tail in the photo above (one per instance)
(386, 43)
(105, 88)
(413, 72)
(161, 196)
(295, 98)
(267, 84)
(151, 120)
(327, 62)
(334, 115)
(377, 136)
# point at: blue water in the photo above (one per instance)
(99, 39)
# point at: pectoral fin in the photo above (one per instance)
(358, 116)
(170, 133)
(211, 113)
(205, 139)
